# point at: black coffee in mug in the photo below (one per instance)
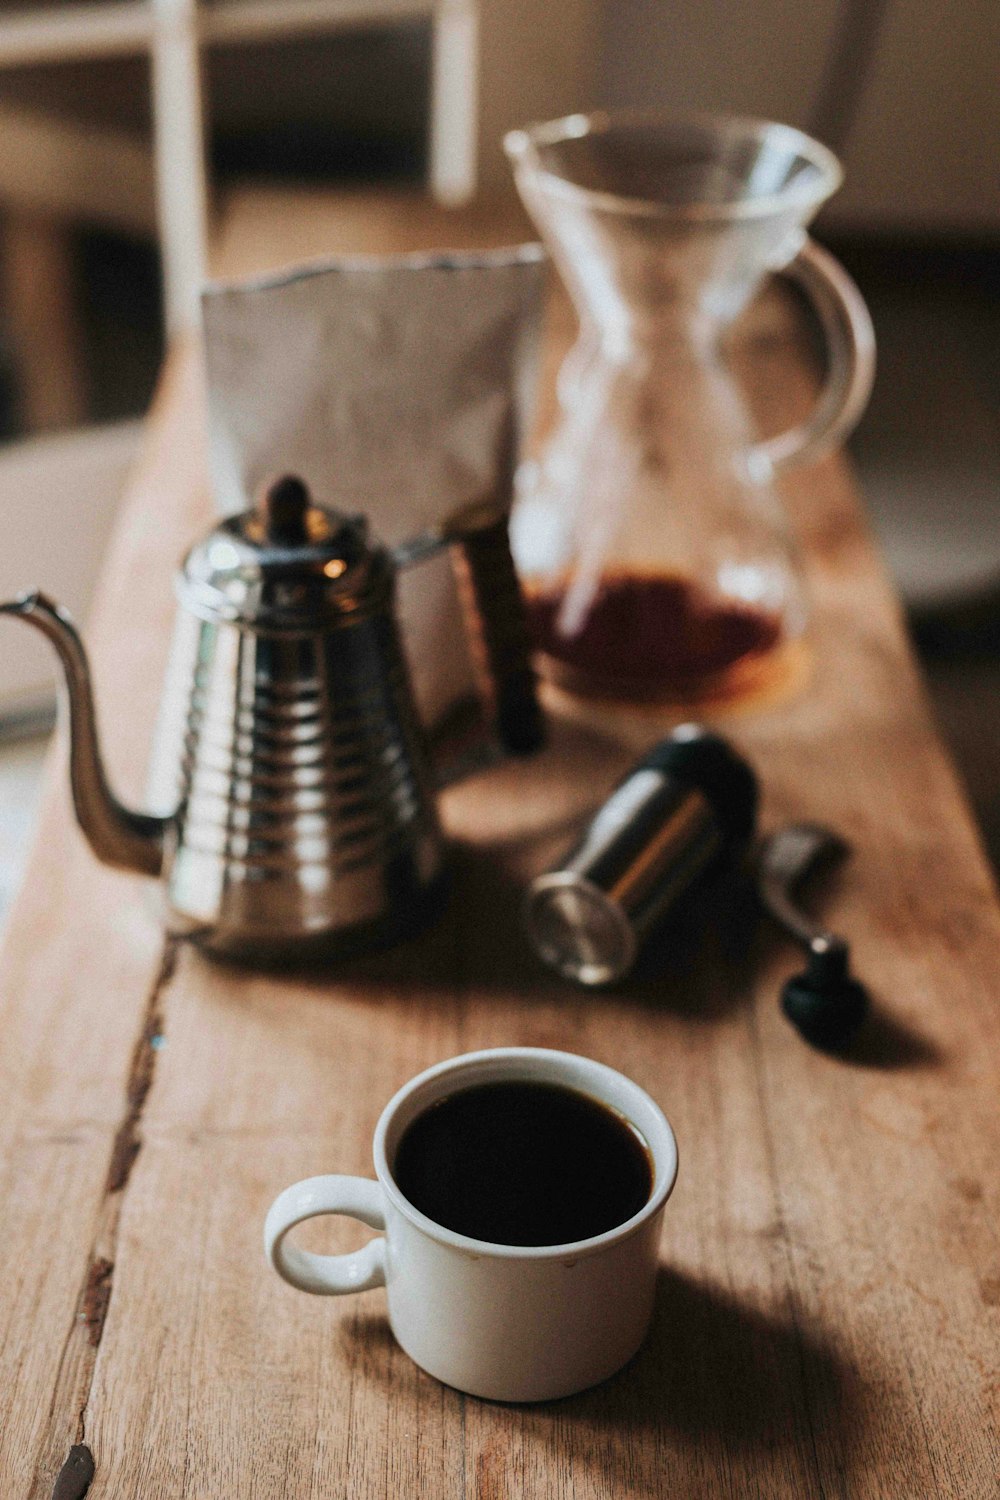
(522, 1163)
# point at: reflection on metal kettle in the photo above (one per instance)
(304, 819)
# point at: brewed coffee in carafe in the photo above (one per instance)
(649, 534)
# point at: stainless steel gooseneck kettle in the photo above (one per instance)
(289, 748)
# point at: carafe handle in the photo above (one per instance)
(850, 340)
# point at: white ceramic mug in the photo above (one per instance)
(506, 1322)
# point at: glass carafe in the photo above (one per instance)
(648, 533)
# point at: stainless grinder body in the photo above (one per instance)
(294, 770)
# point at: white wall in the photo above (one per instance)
(919, 120)
(758, 57)
(539, 60)
(924, 150)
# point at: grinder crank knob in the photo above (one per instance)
(824, 1003)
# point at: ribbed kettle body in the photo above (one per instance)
(293, 766)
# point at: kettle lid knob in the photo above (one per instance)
(283, 508)
(286, 564)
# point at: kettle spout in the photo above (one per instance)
(118, 836)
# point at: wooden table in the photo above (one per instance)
(828, 1316)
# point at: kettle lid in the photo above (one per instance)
(287, 564)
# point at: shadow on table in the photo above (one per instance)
(886, 1043)
(715, 1365)
(715, 1375)
(703, 962)
(701, 965)
(706, 961)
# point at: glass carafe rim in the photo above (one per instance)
(522, 148)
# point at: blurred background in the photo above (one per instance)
(118, 121)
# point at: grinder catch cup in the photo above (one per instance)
(686, 805)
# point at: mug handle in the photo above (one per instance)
(850, 339)
(327, 1275)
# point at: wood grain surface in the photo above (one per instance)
(828, 1312)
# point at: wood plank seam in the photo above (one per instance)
(71, 1392)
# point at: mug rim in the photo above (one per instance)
(521, 147)
(665, 1171)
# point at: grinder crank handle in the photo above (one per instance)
(495, 617)
(825, 1003)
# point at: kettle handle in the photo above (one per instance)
(493, 607)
